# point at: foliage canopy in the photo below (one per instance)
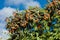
(36, 23)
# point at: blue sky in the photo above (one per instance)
(7, 7)
(21, 5)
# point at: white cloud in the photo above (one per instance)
(26, 3)
(4, 34)
(5, 12)
(32, 3)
